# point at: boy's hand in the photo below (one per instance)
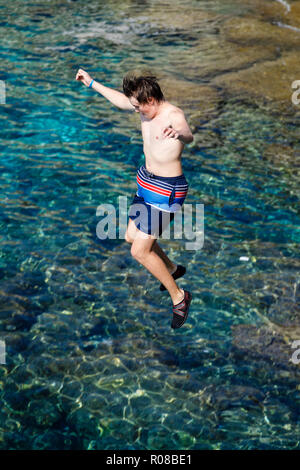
(170, 133)
(83, 77)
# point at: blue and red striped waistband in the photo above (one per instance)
(166, 193)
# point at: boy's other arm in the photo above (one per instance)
(179, 128)
(115, 97)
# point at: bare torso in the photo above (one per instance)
(163, 155)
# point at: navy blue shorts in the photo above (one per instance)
(156, 201)
(149, 219)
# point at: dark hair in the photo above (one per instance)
(142, 88)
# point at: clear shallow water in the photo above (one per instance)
(85, 373)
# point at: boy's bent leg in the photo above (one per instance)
(142, 251)
(158, 250)
(132, 233)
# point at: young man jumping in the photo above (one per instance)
(161, 184)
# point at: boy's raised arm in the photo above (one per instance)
(115, 97)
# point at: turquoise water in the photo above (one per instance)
(91, 360)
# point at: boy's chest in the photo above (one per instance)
(152, 130)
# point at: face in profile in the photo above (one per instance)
(147, 109)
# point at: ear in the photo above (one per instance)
(151, 100)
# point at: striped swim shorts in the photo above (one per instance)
(156, 201)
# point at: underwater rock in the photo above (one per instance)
(251, 31)
(15, 401)
(190, 95)
(262, 343)
(123, 429)
(131, 364)
(40, 303)
(282, 155)
(58, 325)
(284, 316)
(118, 262)
(292, 17)
(93, 402)
(44, 413)
(159, 438)
(117, 404)
(258, 81)
(22, 322)
(256, 84)
(165, 356)
(67, 276)
(140, 402)
(285, 312)
(21, 376)
(184, 439)
(16, 441)
(268, 11)
(278, 412)
(84, 423)
(177, 421)
(280, 294)
(104, 328)
(268, 287)
(150, 415)
(55, 440)
(150, 384)
(204, 60)
(183, 382)
(111, 443)
(178, 18)
(9, 307)
(27, 284)
(161, 18)
(47, 366)
(71, 389)
(15, 342)
(225, 397)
